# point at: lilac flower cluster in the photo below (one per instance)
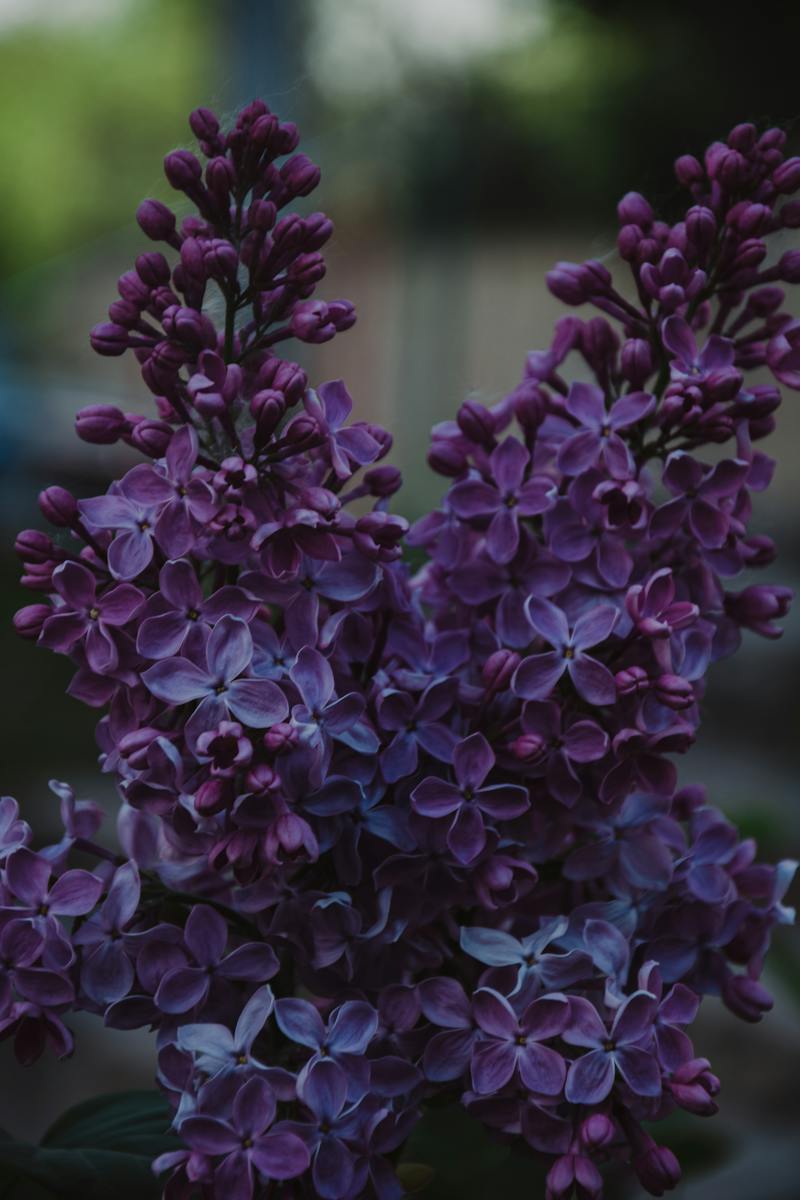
(387, 836)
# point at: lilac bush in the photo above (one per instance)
(391, 835)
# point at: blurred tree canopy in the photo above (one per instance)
(600, 97)
(89, 108)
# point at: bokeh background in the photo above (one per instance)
(465, 145)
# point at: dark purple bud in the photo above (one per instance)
(498, 669)
(302, 430)
(597, 1131)
(634, 209)
(156, 220)
(743, 137)
(280, 737)
(134, 745)
(131, 287)
(312, 322)
(766, 300)
(343, 314)
(28, 621)
(657, 1168)
(786, 177)
(182, 170)
(688, 170)
(730, 167)
(213, 796)
(38, 576)
(153, 269)
(220, 177)
(446, 458)
(636, 361)
(262, 778)
(101, 424)
(476, 423)
(527, 747)
(567, 283)
(757, 606)
(300, 175)
(701, 226)
(758, 550)
(750, 219)
(789, 266)
(151, 437)
(34, 546)
(59, 506)
(674, 692)
(746, 997)
(628, 240)
(268, 407)
(261, 215)
(282, 376)
(631, 680)
(204, 124)
(694, 1087)
(750, 254)
(383, 481)
(109, 340)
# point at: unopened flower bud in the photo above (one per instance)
(746, 997)
(101, 424)
(280, 737)
(688, 170)
(634, 209)
(59, 506)
(597, 1131)
(446, 458)
(383, 482)
(786, 177)
(28, 621)
(657, 1168)
(109, 339)
(182, 170)
(476, 423)
(156, 220)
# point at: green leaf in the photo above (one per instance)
(465, 1162)
(99, 1149)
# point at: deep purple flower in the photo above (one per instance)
(349, 1031)
(217, 1050)
(537, 675)
(349, 447)
(467, 799)
(322, 713)
(206, 937)
(513, 1043)
(180, 605)
(505, 500)
(90, 617)
(591, 1076)
(73, 894)
(415, 725)
(323, 1090)
(186, 501)
(446, 1005)
(249, 1141)
(703, 497)
(598, 439)
(217, 682)
(133, 521)
(563, 746)
(688, 363)
(496, 948)
(107, 971)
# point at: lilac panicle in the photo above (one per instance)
(323, 756)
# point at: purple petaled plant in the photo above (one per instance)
(392, 836)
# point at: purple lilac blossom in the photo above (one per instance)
(434, 812)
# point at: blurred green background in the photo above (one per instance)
(466, 145)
